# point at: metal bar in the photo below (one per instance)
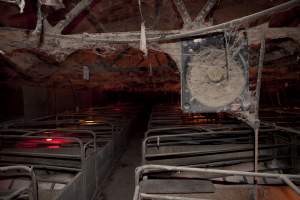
(155, 168)
(57, 168)
(259, 73)
(47, 155)
(257, 100)
(15, 194)
(210, 152)
(185, 16)
(70, 16)
(33, 180)
(204, 133)
(243, 20)
(166, 197)
(235, 160)
(192, 141)
(205, 11)
(144, 144)
(171, 128)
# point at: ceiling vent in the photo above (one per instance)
(214, 75)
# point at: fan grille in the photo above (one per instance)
(211, 82)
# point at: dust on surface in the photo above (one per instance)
(209, 80)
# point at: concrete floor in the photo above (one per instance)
(120, 184)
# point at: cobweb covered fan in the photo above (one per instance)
(215, 73)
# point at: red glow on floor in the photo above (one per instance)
(58, 141)
(53, 147)
(51, 143)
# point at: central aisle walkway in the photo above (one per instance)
(120, 185)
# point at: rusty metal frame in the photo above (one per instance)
(29, 172)
(157, 140)
(165, 132)
(102, 138)
(140, 174)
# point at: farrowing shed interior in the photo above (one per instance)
(149, 99)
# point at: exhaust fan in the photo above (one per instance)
(214, 75)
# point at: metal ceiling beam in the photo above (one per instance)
(199, 20)
(63, 44)
(241, 22)
(93, 20)
(184, 14)
(60, 26)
